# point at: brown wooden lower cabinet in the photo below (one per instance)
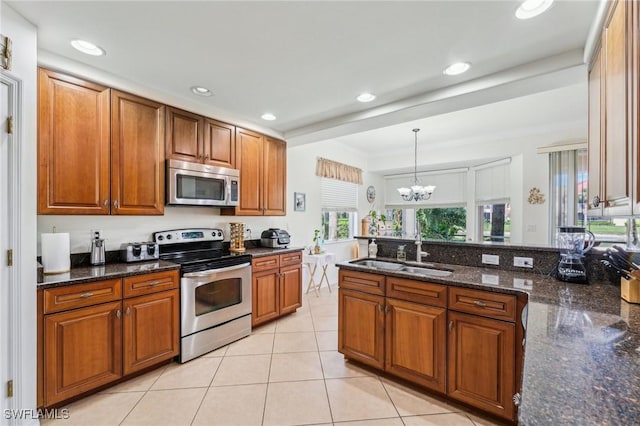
(151, 329)
(276, 286)
(416, 342)
(83, 350)
(469, 356)
(84, 345)
(481, 363)
(361, 327)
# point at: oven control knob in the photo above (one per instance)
(168, 236)
(219, 233)
(213, 234)
(160, 238)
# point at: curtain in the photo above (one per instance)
(334, 170)
(568, 180)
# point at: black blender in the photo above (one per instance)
(574, 243)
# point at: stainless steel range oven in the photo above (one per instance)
(215, 289)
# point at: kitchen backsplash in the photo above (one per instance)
(123, 229)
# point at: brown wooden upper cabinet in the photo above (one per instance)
(610, 114)
(191, 137)
(99, 151)
(263, 178)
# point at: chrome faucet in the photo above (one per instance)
(418, 243)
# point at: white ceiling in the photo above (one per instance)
(306, 61)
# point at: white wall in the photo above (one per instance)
(302, 177)
(24, 38)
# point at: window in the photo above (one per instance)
(495, 222)
(443, 223)
(339, 202)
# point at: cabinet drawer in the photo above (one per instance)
(77, 296)
(264, 263)
(493, 305)
(150, 283)
(417, 291)
(362, 281)
(291, 258)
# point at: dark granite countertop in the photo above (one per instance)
(85, 274)
(582, 351)
(268, 251)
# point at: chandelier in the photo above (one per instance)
(417, 192)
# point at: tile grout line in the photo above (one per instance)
(266, 393)
(144, 394)
(386, 391)
(324, 378)
(207, 390)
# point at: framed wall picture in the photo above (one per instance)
(299, 201)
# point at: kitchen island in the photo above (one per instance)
(582, 347)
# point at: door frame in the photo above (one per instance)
(11, 326)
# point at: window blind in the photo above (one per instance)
(492, 182)
(338, 195)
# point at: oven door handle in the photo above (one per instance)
(214, 271)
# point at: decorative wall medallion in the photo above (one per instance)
(371, 194)
(535, 196)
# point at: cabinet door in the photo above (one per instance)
(219, 144)
(184, 135)
(290, 288)
(151, 329)
(416, 343)
(265, 296)
(361, 327)
(275, 177)
(595, 201)
(481, 363)
(249, 161)
(617, 151)
(137, 155)
(73, 145)
(83, 350)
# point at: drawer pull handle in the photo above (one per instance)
(128, 311)
(118, 314)
(479, 303)
(450, 325)
(155, 283)
(380, 308)
(86, 295)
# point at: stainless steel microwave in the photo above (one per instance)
(195, 184)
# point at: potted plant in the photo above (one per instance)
(316, 240)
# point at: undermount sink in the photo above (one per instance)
(426, 271)
(390, 266)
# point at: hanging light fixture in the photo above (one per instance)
(417, 192)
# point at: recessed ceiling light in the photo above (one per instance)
(87, 47)
(201, 91)
(366, 97)
(457, 68)
(268, 116)
(531, 8)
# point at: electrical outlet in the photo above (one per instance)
(523, 262)
(523, 283)
(490, 279)
(491, 259)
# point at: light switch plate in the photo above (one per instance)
(523, 262)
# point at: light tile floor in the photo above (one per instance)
(287, 372)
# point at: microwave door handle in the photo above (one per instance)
(228, 190)
(214, 271)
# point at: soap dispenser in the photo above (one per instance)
(373, 248)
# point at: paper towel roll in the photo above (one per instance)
(56, 257)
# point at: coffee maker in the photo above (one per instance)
(574, 242)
